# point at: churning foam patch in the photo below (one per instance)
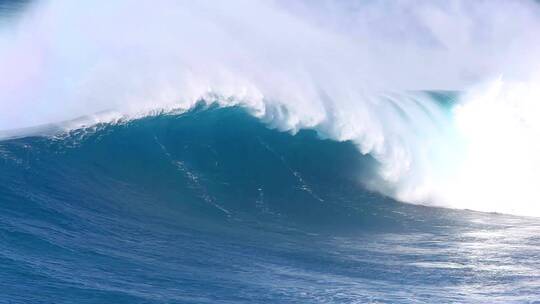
(501, 169)
(493, 161)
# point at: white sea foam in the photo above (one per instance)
(346, 69)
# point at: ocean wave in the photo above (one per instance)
(419, 166)
(307, 71)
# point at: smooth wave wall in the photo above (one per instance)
(200, 168)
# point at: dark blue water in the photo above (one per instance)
(211, 206)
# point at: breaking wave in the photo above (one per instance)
(341, 70)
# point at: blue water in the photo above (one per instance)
(212, 206)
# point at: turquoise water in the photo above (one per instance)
(211, 206)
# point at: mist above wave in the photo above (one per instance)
(65, 59)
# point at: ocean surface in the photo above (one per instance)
(214, 206)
